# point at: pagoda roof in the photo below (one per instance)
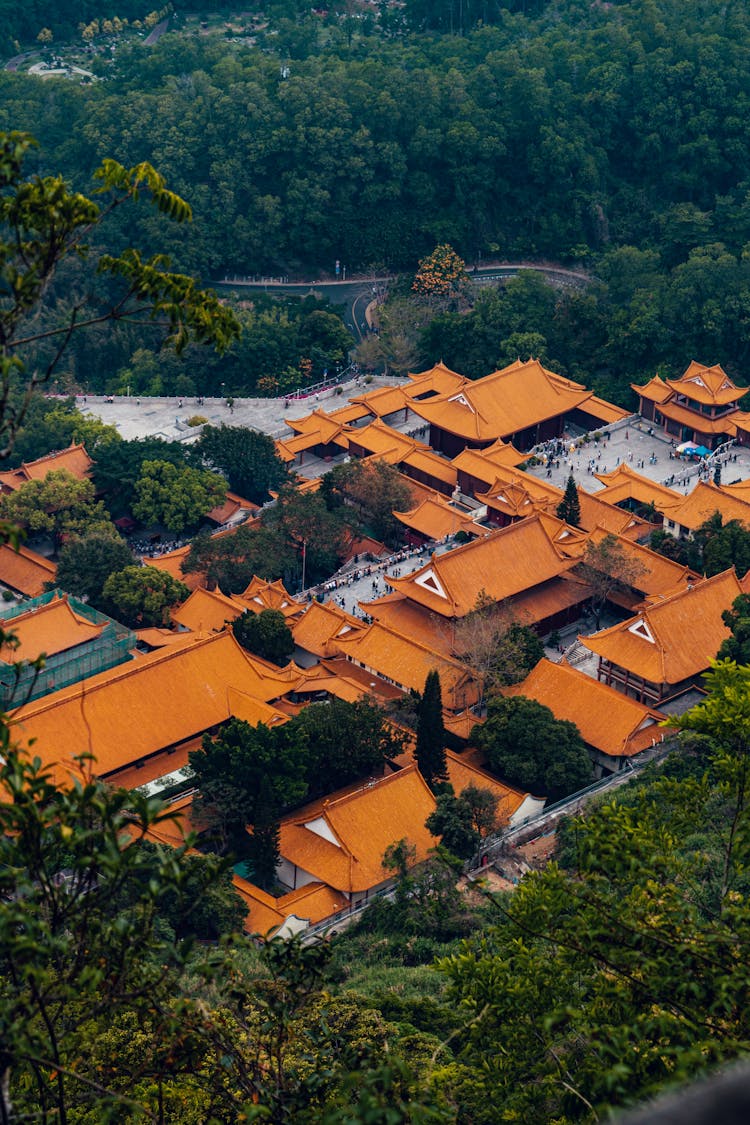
(400, 613)
(658, 576)
(504, 402)
(383, 441)
(383, 400)
(707, 498)
(674, 639)
(74, 460)
(462, 773)
(47, 629)
(655, 390)
(608, 720)
(341, 841)
(699, 423)
(596, 511)
(435, 380)
(262, 594)
(502, 564)
(709, 385)
(25, 570)
(171, 563)
(484, 463)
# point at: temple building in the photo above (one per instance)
(523, 403)
(662, 651)
(702, 406)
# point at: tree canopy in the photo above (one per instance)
(531, 749)
(177, 497)
(246, 457)
(266, 634)
(143, 596)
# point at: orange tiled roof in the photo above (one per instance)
(383, 400)
(655, 390)
(232, 506)
(207, 611)
(137, 709)
(596, 511)
(436, 517)
(504, 403)
(341, 842)
(502, 564)
(309, 904)
(710, 385)
(425, 461)
(674, 639)
(532, 607)
(462, 773)
(461, 725)
(705, 499)
(624, 483)
(437, 380)
(407, 663)
(25, 570)
(49, 629)
(698, 422)
(380, 440)
(484, 463)
(606, 412)
(400, 613)
(263, 594)
(511, 498)
(658, 575)
(608, 720)
(74, 460)
(317, 628)
(171, 563)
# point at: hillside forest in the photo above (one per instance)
(611, 137)
(608, 137)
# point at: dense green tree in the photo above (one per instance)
(118, 467)
(527, 746)
(451, 820)
(143, 596)
(46, 228)
(266, 634)
(231, 561)
(344, 742)
(60, 505)
(246, 457)
(430, 747)
(85, 564)
(569, 508)
(737, 646)
(175, 497)
(316, 535)
(244, 772)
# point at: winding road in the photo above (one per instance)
(357, 293)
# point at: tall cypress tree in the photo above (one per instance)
(569, 508)
(430, 751)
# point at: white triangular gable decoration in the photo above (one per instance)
(344, 629)
(641, 629)
(322, 828)
(462, 400)
(697, 380)
(429, 581)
